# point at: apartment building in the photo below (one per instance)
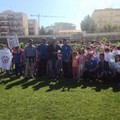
(13, 23)
(71, 34)
(33, 27)
(105, 17)
(60, 26)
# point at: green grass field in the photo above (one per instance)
(61, 100)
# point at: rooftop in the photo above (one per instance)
(69, 31)
(107, 9)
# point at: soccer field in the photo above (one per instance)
(61, 100)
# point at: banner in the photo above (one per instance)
(5, 59)
(12, 41)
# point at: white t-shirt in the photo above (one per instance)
(116, 52)
(108, 56)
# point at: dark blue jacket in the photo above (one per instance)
(104, 66)
(90, 64)
(17, 57)
(42, 51)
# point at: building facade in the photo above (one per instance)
(73, 35)
(13, 23)
(106, 17)
(33, 27)
(60, 26)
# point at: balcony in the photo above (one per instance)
(12, 29)
(4, 23)
(3, 19)
(15, 24)
(31, 30)
(31, 27)
(4, 27)
(11, 17)
(4, 33)
(31, 33)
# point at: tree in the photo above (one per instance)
(88, 24)
(42, 31)
(109, 28)
(50, 32)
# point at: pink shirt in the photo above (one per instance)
(82, 59)
(75, 62)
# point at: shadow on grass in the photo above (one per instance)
(19, 82)
(63, 84)
(100, 85)
(11, 78)
(68, 84)
(41, 84)
(29, 83)
(3, 75)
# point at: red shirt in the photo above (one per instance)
(75, 61)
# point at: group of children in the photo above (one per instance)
(90, 61)
(98, 60)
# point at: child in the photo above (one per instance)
(17, 61)
(103, 68)
(36, 67)
(22, 61)
(81, 59)
(96, 54)
(75, 65)
(108, 55)
(59, 64)
(90, 65)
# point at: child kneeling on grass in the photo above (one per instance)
(103, 68)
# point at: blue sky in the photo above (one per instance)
(72, 10)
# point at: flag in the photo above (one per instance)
(12, 41)
(5, 59)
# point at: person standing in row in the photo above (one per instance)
(17, 61)
(66, 55)
(42, 56)
(52, 52)
(30, 55)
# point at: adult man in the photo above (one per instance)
(66, 54)
(42, 56)
(52, 51)
(30, 55)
